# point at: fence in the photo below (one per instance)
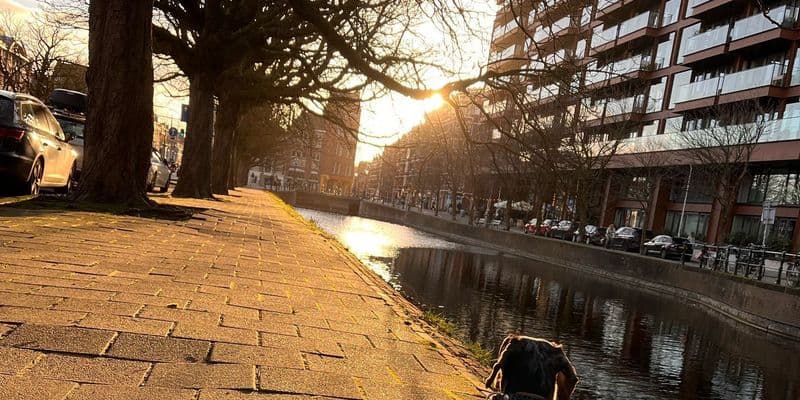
(780, 268)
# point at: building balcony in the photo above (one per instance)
(622, 70)
(779, 17)
(767, 75)
(759, 77)
(613, 111)
(626, 31)
(697, 7)
(543, 94)
(707, 40)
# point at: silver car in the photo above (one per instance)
(159, 173)
(34, 151)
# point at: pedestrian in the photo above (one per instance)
(609, 234)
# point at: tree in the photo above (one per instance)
(723, 142)
(33, 48)
(120, 115)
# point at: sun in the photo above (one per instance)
(433, 102)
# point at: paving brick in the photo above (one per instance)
(138, 298)
(158, 349)
(305, 345)
(179, 315)
(221, 376)
(23, 388)
(217, 307)
(382, 391)
(127, 324)
(307, 382)
(89, 370)
(65, 339)
(14, 360)
(75, 293)
(27, 300)
(262, 302)
(256, 355)
(38, 316)
(6, 329)
(98, 306)
(258, 325)
(222, 394)
(334, 336)
(215, 333)
(109, 392)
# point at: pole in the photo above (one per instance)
(685, 199)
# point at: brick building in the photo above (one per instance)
(653, 73)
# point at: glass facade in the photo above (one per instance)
(695, 224)
(779, 188)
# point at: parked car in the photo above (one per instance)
(595, 235)
(667, 246)
(628, 239)
(34, 151)
(159, 173)
(546, 226)
(564, 230)
(532, 226)
(69, 109)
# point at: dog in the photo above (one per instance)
(531, 368)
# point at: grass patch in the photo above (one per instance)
(440, 322)
(480, 353)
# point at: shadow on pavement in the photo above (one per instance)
(49, 203)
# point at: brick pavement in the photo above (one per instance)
(242, 301)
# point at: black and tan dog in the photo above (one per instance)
(531, 368)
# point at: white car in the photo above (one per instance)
(159, 174)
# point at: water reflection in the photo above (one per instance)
(626, 344)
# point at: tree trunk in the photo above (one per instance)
(120, 115)
(224, 139)
(195, 175)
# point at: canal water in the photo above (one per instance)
(625, 343)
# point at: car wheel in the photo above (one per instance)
(664, 253)
(588, 241)
(67, 189)
(165, 187)
(151, 184)
(35, 180)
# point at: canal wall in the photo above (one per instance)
(321, 202)
(767, 307)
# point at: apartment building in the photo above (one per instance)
(650, 73)
(319, 155)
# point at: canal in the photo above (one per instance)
(625, 343)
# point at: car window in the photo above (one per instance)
(6, 111)
(71, 127)
(27, 114)
(41, 121)
(54, 126)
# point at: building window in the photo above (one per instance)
(747, 229)
(781, 189)
(632, 217)
(695, 224)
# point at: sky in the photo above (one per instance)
(383, 120)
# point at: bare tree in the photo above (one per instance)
(723, 141)
(33, 47)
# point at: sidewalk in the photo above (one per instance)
(242, 301)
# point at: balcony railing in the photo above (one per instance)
(699, 90)
(544, 92)
(627, 105)
(783, 16)
(693, 4)
(650, 19)
(708, 39)
(767, 75)
(605, 36)
(641, 62)
(602, 4)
